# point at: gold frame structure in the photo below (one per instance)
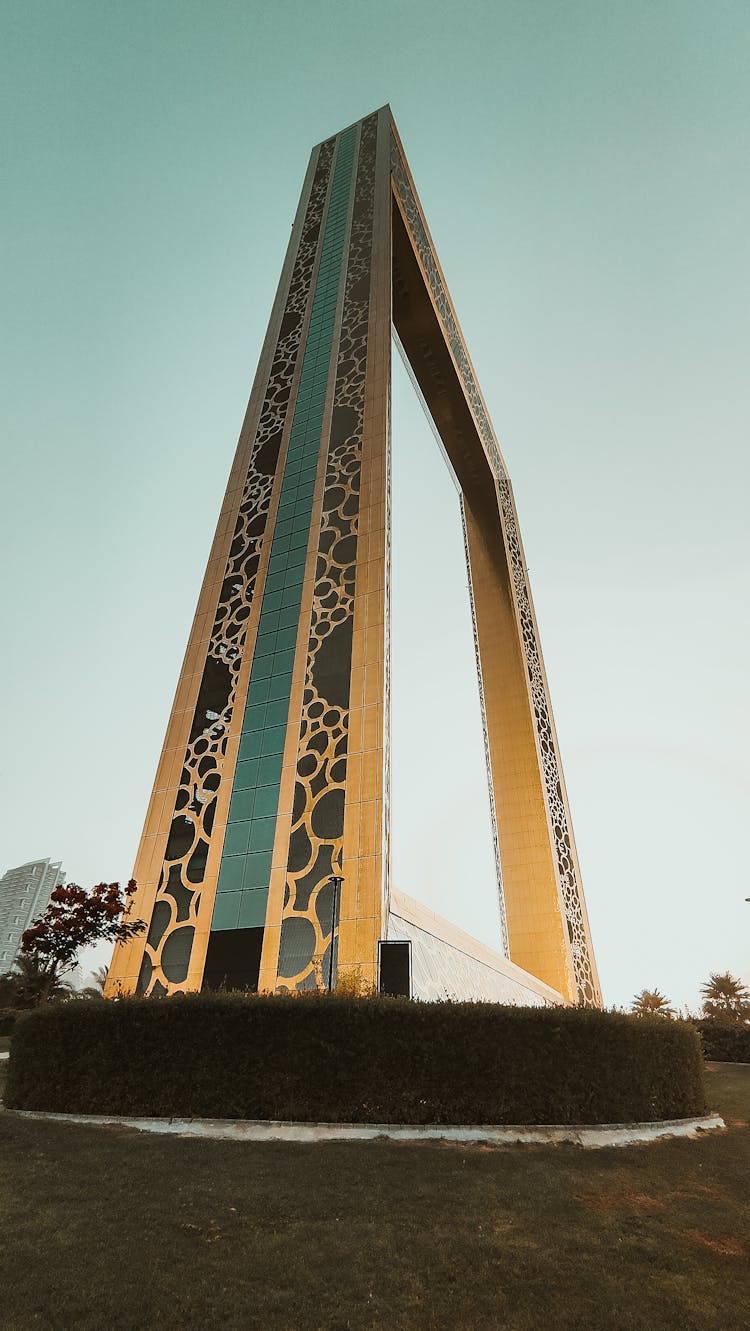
(265, 790)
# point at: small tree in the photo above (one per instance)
(649, 1002)
(74, 919)
(725, 999)
(31, 982)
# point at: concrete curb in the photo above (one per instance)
(265, 1130)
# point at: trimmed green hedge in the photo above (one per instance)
(335, 1059)
(725, 1044)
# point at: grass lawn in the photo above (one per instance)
(104, 1229)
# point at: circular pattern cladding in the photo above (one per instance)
(316, 840)
(187, 845)
(588, 991)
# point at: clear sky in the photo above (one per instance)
(584, 169)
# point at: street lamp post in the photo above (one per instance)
(335, 880)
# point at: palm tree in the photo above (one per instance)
(95, 990)
(36, 982)
(649, 1002)
(725, 998)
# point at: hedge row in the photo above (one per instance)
(725, 1044)
(335, 1059)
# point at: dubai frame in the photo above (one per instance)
(265, 856)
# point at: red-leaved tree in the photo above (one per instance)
(74, 919)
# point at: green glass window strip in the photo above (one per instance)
(245, 869)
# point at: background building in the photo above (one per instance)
(265, 860)
(24, 895)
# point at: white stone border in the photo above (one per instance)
(270, 1130)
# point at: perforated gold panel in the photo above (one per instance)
(361, 232)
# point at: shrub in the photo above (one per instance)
(8, 1018)
(337, 1058)
(724, 1043)
(340, 1059)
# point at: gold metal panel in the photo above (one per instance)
(126, 962)
(365, 854)
(529, 881)
(548, 910)
(540, 887)
(275, 908)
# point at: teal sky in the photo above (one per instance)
(584, 170)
